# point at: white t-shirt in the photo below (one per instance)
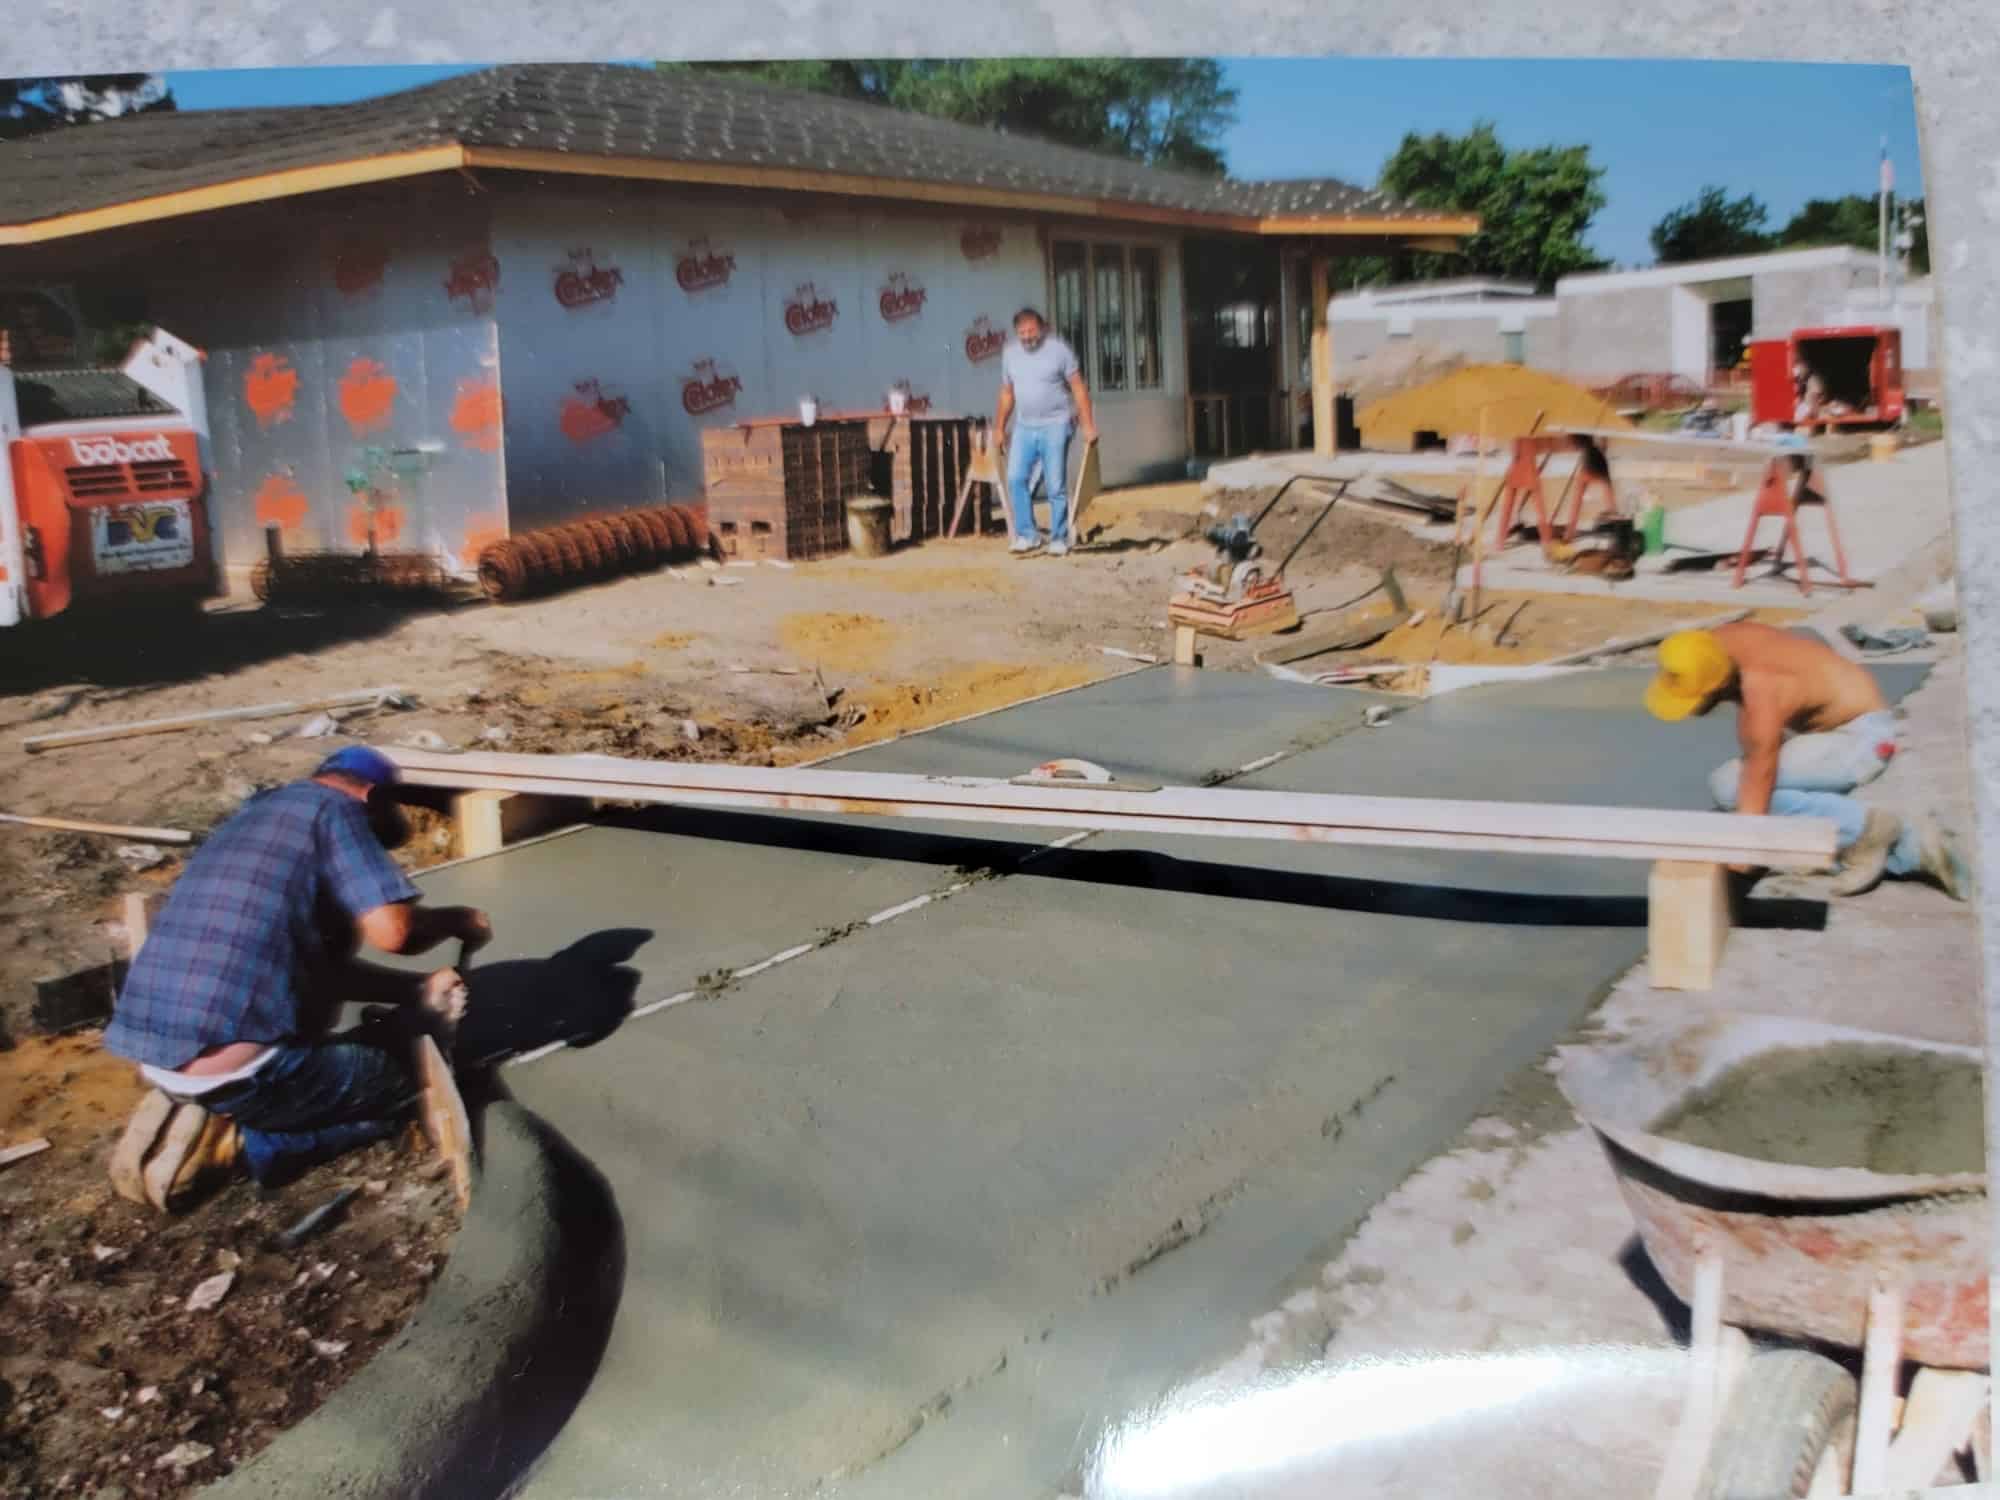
(1040, 381)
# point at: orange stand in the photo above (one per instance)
(1521, 486)
(1778, 497)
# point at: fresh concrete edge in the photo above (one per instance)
(465, 1399)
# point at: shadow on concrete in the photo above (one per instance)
(1638, 1266)
(151, 648)
(585, 1284)
(578, 997)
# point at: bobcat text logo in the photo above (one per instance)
(96, 452)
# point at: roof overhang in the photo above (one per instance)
(1421, 234)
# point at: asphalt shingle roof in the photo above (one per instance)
(597, 110)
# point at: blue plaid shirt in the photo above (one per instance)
(232, 954)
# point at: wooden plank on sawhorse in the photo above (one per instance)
(984, 468)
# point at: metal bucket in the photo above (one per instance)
(1802, 1246)
(868, 523)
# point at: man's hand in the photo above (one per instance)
(445, 994)
(1089, 432)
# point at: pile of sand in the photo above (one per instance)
(1509, 397)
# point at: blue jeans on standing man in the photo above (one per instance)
(1050, 444)
(1817, 771)
(312, 1103)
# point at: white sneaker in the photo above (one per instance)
(1058, 548)
(1022, 545)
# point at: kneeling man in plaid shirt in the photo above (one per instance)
(228, 1004)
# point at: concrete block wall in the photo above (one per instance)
(1612, 333)
(1476, 337)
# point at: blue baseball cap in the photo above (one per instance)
(361, 763)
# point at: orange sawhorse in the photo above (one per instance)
(1521, 485)
(1779, 496)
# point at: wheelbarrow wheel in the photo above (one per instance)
(1788, 1433)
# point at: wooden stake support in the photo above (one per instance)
(1881, 1369)
(1687, 923)
(486, 821)
(445, 1121)
(1185, 654)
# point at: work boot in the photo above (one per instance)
(198, 1146)
(128, 1157)
(1864, 861)
(1938, 857)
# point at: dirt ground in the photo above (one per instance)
(761, 665)
(110, 1385)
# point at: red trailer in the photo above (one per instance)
(1860, 372)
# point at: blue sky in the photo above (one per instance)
(1662, 130)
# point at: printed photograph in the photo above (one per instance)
(1074, 778)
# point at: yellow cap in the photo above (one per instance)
(1693, 669)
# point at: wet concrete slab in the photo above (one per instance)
(715, 891)
(928, 1204)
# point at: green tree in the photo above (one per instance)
(29, 106)
(1713, 226)
(1534, 206)
(1852, 220)
(1167, 112)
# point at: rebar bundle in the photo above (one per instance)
(341, 577)
(555, 557)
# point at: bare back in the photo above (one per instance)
(1806, 684)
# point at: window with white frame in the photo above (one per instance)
(1107, 303)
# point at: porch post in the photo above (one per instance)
(1322, 354)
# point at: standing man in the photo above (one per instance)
(227, 1004)
(1039, 378)
(1813, 726)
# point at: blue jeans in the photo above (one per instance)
(317, 1101)
(1815, 773)
(1050, 444)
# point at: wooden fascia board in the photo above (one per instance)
(333, 175)
(243, 190)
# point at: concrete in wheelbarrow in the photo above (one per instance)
(991, 1172)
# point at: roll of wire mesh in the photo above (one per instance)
(557, 557)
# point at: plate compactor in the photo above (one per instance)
(1240, 594)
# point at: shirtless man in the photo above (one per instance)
(1813, 726)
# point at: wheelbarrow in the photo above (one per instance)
(1809, 1259)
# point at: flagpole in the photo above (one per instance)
(1882, 229)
